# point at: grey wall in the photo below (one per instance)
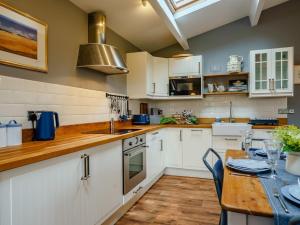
(278, 27)
(67, 30)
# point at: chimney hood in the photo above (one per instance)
(96, 54)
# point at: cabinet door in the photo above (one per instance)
(103, 190)
(173, 147)
(47, 193)
(160, 76)
(260, 71)
(283, 70)
(185, 66)
(139, 78)
(5, 203)
(195, 144)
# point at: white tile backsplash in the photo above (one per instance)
(218, 106)
(74, 105)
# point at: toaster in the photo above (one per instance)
(141, 119)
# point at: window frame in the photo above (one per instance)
(176, 8)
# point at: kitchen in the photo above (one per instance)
(93, 157)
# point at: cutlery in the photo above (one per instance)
(299, 182)
(283, 205)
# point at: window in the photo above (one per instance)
(177, 4)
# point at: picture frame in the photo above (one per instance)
(297, 74)
(23, 40)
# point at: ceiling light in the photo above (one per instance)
(182, 55)
(144, 3)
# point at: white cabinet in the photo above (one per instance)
(139, 78)
(195, 143)
(271, 72)
(102, 193)
(185, 147)
(160, 77)
(155, 154)
(47, 192)
(185, 66)
(52, 192)
(173, 147)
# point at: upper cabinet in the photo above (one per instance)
(189, 66)
(149, 76)
(271, 72)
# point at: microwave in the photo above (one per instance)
(185, 85)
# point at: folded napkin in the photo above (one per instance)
(248, 164)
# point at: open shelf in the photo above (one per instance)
(226, 93)
(225, 75)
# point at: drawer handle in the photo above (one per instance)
(138, 190)
(155, 133)
(231, 139)
(197, 130)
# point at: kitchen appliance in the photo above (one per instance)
(271, 121)
(185, 85)
(96, 54)
(140, 119)
(234, 64)
(134, 162)
(3, 136)
(44, 124)
(14, 133)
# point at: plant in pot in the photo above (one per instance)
(290, 139)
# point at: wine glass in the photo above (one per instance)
(273, 149)
(248, 142)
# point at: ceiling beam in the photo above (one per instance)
(163, 10)
(255, 11)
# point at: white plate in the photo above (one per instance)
(295, 191)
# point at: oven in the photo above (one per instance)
(134, 162)
(185, 85)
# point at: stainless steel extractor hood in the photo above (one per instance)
(96, 54)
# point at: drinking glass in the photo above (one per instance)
(248, 142)
(273, 149)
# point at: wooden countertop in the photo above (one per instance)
(244, 194)
(31, 152)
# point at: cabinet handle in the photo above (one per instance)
(138, 190)
(273, 84)
(270, 85)
(153, 84)
(161, 145)
(231, 139)
(86, 167)
(155, 133)
(180, 135)
(197, 130)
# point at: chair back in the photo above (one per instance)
(217, 171)
(295, 221)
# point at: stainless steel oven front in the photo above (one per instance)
(134, 162)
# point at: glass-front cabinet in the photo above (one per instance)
(271, 72)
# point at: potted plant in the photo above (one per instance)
(290, 139)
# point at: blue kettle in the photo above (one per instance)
(46, 122)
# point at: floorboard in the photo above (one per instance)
(176, 201)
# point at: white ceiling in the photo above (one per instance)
(217, 15)
(129, 18)
(145, 29)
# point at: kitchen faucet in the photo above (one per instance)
(231, 120)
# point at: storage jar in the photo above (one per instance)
(14, 133)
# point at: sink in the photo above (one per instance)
(107, 131)
(230, 129)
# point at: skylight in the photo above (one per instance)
(177, 4)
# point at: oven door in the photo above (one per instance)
(134, 167)
(185, 86)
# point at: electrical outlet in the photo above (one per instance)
(286, 111)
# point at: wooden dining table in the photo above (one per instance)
(244, 197)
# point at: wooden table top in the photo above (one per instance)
(244, 194)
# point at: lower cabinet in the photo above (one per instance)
(155, 154)
(52, 192)
(186, 146)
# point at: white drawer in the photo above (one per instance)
(223, 143)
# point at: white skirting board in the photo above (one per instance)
(187, 173)
(243, 219)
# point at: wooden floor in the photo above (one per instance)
(178, 201)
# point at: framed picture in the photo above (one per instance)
(23, 40)
(297, 74)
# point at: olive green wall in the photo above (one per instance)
(67, 30)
